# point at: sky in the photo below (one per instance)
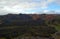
(29, 6)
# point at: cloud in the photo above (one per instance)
(46, 11)
(17, 6)
(57, 2)
(50, 1)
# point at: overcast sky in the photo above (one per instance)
(28, 6)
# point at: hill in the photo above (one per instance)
(42, 25)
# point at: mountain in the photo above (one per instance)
(27, 19)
